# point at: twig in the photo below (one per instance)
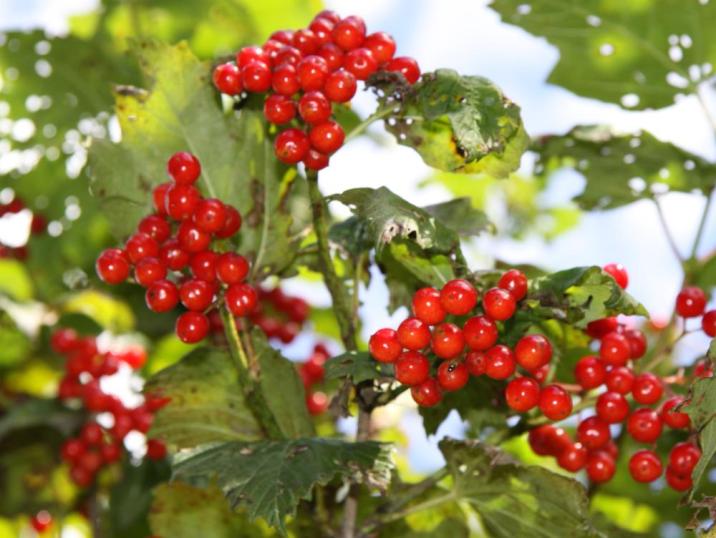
(667, 232)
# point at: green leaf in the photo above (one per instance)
(15, 281)
(456, 123)
(270, 478)
(40, 412)
(358, 366)
(622, 168)
(516, 500)
(450, 527)
(15, 344)
(706, 274)
(206, 404)
(461, 217)
(701, 411)
(636, 54)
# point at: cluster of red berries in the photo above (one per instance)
(305, 71)
(312, 373)
(37, 226)
(279, 315)
(161, 256)
(96, 446)
(691, 303)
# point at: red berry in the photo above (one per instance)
(703, 369)
(327, 137)
(644, 425)
(291, 146)
(428, 393)
(340, 86)
(284, 80)
(598, 328)
(413, 334)
(241, 299)
(231, 268)
(279, 109)
(408, 67)
(333, 56)
(684, 457)
(192, 327)
(515, 282)
(232, 223)
(41, 521)
(708, 323)
(256, 77)
(600, 467)
(480, 333)
(533, 351)
(64, 340)
(329, 15)
(191, 238)
(210, 215)
(384, 346)
(305, 41)
(677, 420)
(252, 54)
(645, 466)
(315, 160)
(447, 341)
(619, 273)
(72, 450)
(499, 304)
(282, 36)
(155, 227)
(349, 33)
(452, 375)
(196, 295)
(112, 266)
(522, 394)
(317, 403)
(288, 55)
(476, 362)
(691, 302)
(181, 201)
(615, 349)
(678, 482)
(203, 265)
(637, 343)
(411, 367)
(184, 168)
(590, 372)
(620, 380)
(593, 433)
(81, 476)
(91, 433)
(573, 457)
(161, 296)
(427, 307)
(110, 452)
(612, 407)
(361, 63)
(159, 197)
(381, 45)
(122, 425)
(172, 255)
(227, 79)
(312, 73)
(149, 270)
(156, 450)
(548, 440)
(458, 297)
(141, 246)
(322, 29)
(647, 389)
(555, 402)
(314, 108)
(499, 362)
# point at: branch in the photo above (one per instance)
(702, 226)
(667, 232)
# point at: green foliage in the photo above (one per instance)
(15, 281)
(700, 410)
(37, 412)
(14, 343)
(358, 366)
(270, 478)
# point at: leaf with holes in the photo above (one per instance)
(621, 169)
(636, 54)
(270, 478)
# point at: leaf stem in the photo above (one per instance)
(389, 517)
(375, 116)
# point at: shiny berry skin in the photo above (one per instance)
(677, 420)
(447, 341)
(196, 294)
(515, 282)
(381, 45)
(593, 433)
(589, 372)
(227, 79)
(452, 375)
(555, 402)
(645, 466)
(149, 270)
(231, 268)
(155, 227)
(647, 389)
(620, 380)
(232, 223)
(384, 346)
(599, 327)
(340, 86)
(91, 433)
(458, 297)
(413, 334)
(172, 255)
(322, 29)
(408, 67)
(533, 351)
(499, 362)
(499, 304)
(315, 160)
(548, 440)
(428, 393)
(427, 307)
(305, 41)
(162, 296)
(327, 137)
(480, 333)
(329, 15)
(314, 108)
(203, 265)
(333, 55)
(191, 238)
(637, 343)
(241, 299)
(691, 302)
(183, 168)
(476, 362)
(279, 109)
(644, 425)
(573, 458)
(252, 54)
(159, 197)
(192, 327)
(112, 266)
(708, 323)
(156, 450)
(312, 73)
(317, 403)
(614, 349)
(361, 63)
(349, 33)
(64, 340)
(600, 467)
(256, 77)
(182, 201)
(411, 368)
(284, 80)
(522, 394)
(619, 273)
(288, 55)
(291, 146)
(612, 407)
(678, 482)
(684, 457)
(140, 246)
(282, 36)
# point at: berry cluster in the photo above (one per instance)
(312, 373)
(691, 303)
(179, 265)
(97, 446)
(279, 315)
(37, 226)
(304, 72)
